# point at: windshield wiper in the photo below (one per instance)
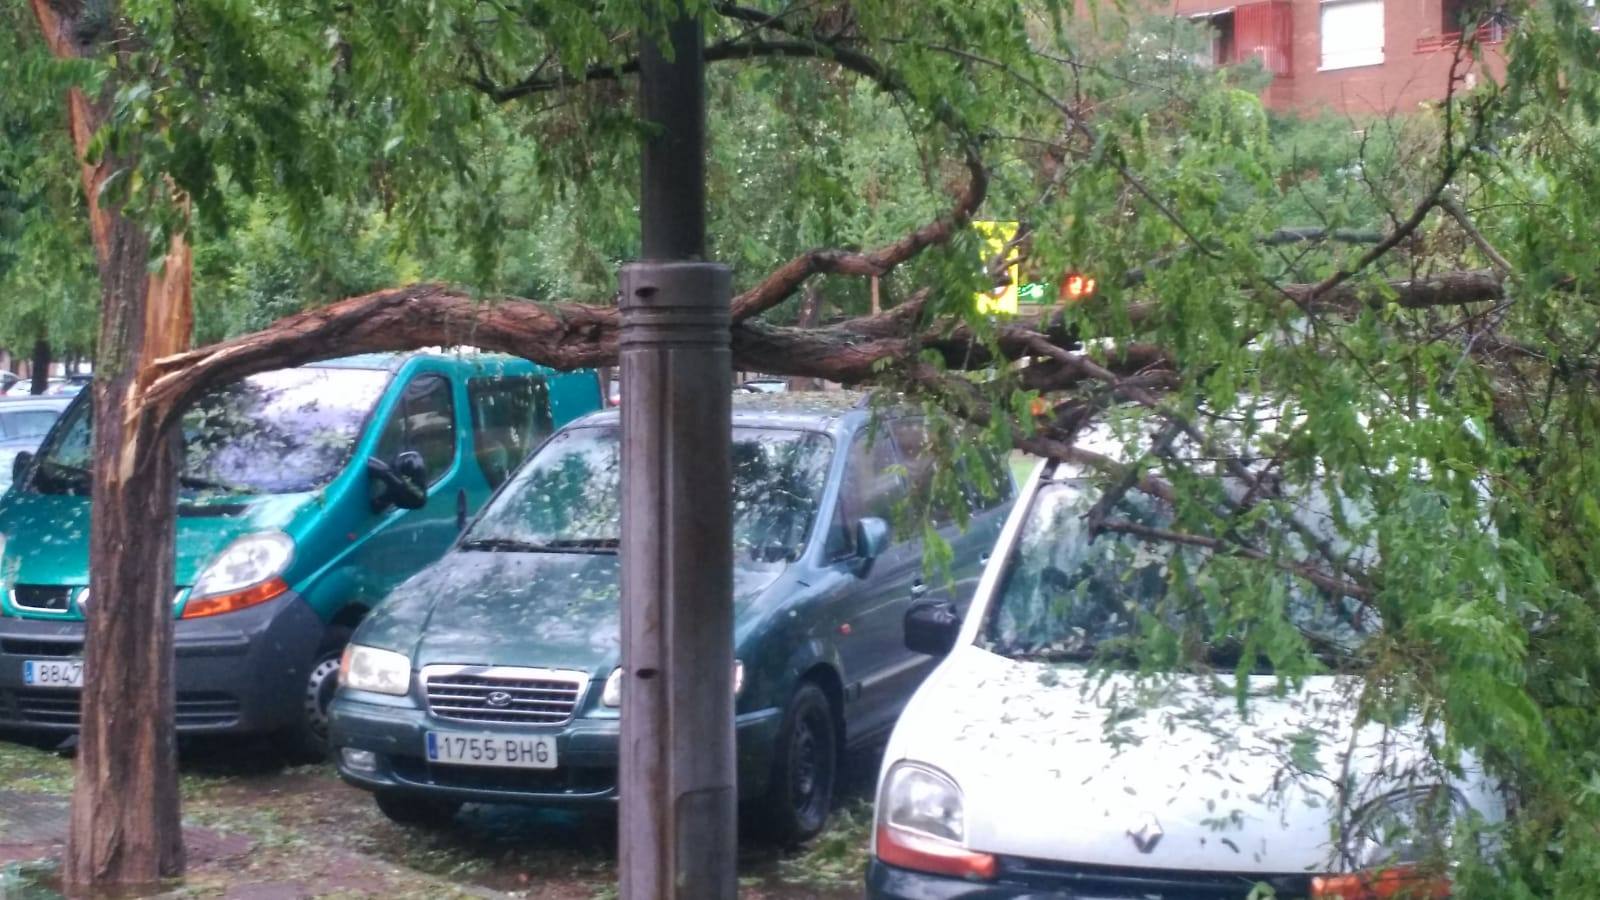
(1046, 654)
(561, 545)
(585, 545)
(195, 481)
(503, 545)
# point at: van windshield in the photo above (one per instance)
(567, 498)
(1065, 597)
(275, 433)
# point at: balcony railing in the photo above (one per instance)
(1488, 33)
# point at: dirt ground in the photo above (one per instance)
(259, 830)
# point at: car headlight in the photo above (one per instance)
(247, 572)
(611, 694)
(1394, 845)
(922, 825)
(370, 669)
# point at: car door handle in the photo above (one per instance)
(918, 588)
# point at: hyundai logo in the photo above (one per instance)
(498, 699)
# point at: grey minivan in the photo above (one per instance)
(492, 676)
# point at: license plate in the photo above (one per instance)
(496, 750)
(65, 673)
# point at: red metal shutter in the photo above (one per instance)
(1266, 31)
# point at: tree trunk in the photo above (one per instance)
(810, 315)
(41, 367)
(125, 826)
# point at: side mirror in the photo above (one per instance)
(19, 466)
(932, 628)
(404, 483)
(872, 538)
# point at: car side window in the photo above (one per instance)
(921, 460)
(29, 423)
(983, 477)
(872, 488)
(989, 486)
(510, 416)
(424, 420)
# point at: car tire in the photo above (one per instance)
(306, 741)
(413, 811)
(805, 769)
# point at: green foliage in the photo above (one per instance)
(333, 148)
(48, 283)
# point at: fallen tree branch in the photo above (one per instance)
(1339, 587)
(787, 278)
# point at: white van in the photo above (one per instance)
(1029, 765)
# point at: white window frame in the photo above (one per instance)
(1349, 58)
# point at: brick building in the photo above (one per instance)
(1359, 58)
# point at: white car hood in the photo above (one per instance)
(1057, 763)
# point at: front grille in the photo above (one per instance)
(208, 709)
(36, 647)
(504, 694)
(1155, 884)
(575, 781)
(42, 597)
(195, 709)
(47, 707)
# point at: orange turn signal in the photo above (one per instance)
(254, 595)
(909, 850)
(1388, 884)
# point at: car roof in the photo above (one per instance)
(812, 410)
(390, 362)
(47, 401)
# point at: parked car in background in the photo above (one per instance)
(492, 676)
(765, 385)
(1035, 762)
(306, 495)
(68, 385)
(24, 421)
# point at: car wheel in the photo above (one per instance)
(307, 739)
(805, 768)
(413, 811)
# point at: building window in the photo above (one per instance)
(1352, 33)
(1265, 31)
(1220, 26)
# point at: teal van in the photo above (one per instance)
(305, 495)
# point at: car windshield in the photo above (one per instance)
(568, 496)
(275, 433)
(1066, 598)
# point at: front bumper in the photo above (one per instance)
(241, 672)
(1021, 879)
(586, 755)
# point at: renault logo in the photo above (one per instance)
(498, 699)
(1147, 835)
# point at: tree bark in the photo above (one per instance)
(125, 825)
(40, 367)
(810, 315)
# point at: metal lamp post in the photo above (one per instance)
(678, 834)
